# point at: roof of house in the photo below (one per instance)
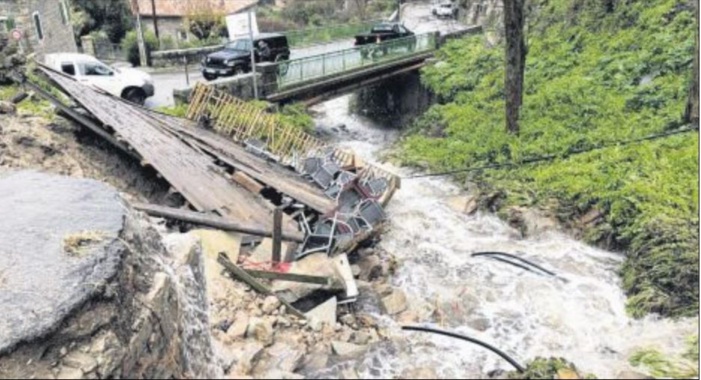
(181, 8)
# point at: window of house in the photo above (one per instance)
(63, 9)
(182, 35)
(37, 26)
(68, 68)
(4, 27)
(95, 69)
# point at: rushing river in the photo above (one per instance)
(582, 319)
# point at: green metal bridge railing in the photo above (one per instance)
(326, 34)
(300, 70)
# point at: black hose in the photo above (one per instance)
(514, 264)
(515, 257)
(506, 357)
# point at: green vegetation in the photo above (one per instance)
(551, 368)
(130, 46)
(596, 72)
(660, 366)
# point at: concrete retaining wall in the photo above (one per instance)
(177, 57)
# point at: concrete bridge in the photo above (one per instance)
(314, 79)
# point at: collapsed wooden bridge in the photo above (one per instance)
(210, 168)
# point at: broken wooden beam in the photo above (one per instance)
(277, 235)
(242, 275)
(211, 221)
(293, 277)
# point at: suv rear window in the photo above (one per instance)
(382, 29)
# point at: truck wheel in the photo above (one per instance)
(208, 76)
(135, 95)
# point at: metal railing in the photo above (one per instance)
(326, 34)
(317, 66)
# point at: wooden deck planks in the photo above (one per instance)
(190, 172)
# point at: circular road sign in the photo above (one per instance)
(16, 34)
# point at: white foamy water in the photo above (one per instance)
(582, 319)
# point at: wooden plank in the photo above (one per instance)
(253, 283)
(212, 221)
(277, 234)
(293, 277)
(247, 182)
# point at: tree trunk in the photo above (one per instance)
(691, 115)
(515, 62)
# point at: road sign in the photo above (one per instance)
(16, 34)
(237, 25)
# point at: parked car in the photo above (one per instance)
(235, 58)
(382, 33)
(444, 9)
(131, 84)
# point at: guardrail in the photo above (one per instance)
(303, 69)
(326, 34)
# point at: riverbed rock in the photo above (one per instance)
(629, 374)
(84, 289)
(245, 356)
(238, 328)
(270, 304)
(280, 356)
(395, 303)
(347, 350)
(464, 204)
(370, 268)
(323, 314)
(262, 330)
(7, 108)
(419, 373)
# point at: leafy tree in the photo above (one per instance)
(204, 20)
(113, 17)
(515, 61)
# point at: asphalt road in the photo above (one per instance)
(416, 17)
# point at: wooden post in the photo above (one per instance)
(253, 283)
(277, 235)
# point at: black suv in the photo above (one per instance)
(235, 58)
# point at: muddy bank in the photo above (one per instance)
(56, 145)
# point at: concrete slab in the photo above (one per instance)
(58, 243)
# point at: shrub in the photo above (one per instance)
(130, 47)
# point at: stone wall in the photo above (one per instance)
(167, 58)
(87, 291)
(57, 30)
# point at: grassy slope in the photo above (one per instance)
(594, 75)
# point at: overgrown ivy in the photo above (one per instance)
(596, 72)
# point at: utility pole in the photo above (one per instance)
(139, 34)
(253, 55)
(155, 20)
(399, 11)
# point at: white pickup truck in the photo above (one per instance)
(130, 84)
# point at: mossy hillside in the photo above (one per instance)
(596, 72)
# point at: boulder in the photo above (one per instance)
(262, 330)
(567, 374)
(323, 314)
(419, 373)
(85, 291)
(238, 329)
(281, 356)
(394, 303)
(7, 108)
(370, 268)
(347, 350)
(270, 304)
(628, 374)
(245, 356)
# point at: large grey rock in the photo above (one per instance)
(323, 314)
(395, 303)
(88, 289)
(59, 244)
(347, 350)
